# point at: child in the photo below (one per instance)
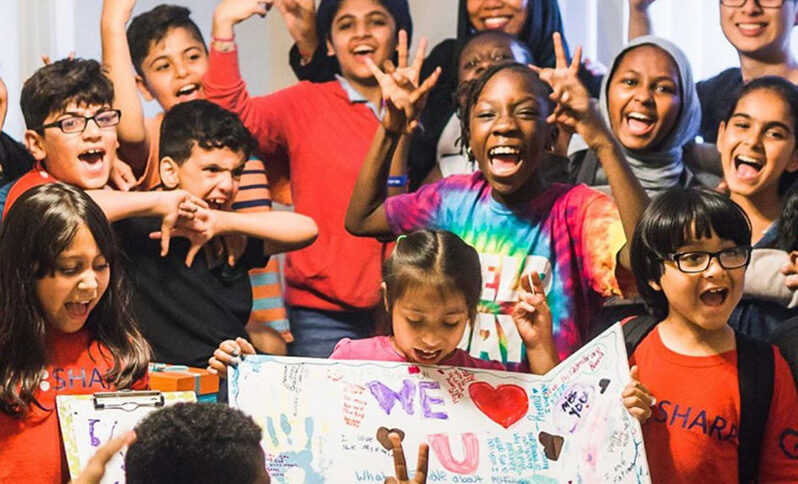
(169, 55)
(187, 308)
(759, 152)
(66, 324)
(518, 222)
(319, 132)
(15, 160)
(689, 254)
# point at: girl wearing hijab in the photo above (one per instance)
(650, 102)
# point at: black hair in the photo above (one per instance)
(787, 233)
(673, 219)
(788, 92)
(542, 90)
(149, 28)
(53, 87)
(205, 124)
(195, 442)
(39, 226)
(399, 10)
(433, 257)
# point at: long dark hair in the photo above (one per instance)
(41, 224)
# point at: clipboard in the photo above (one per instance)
(89, 421)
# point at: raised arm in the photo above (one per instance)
(300, 19)
(639, 19)
(404, 100)
(134, 145)
(576, 110)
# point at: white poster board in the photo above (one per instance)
(327, 421)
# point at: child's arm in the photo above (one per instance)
(639, 20)
(636, 397)
(229, 354)
(400, 464)
(404, 100)
(532, 317)
(300, 19)
(134, 146)
(576, 110)
(266, 339)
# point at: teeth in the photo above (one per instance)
(363, 50)
(745, 159)
(496, 22)
(641, 117)
(187, 89)
(504, 150)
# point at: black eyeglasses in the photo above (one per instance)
(77, 124)
(762, 3)
(692, 262)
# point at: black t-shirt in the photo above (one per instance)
(15, 159)
(716, 95)
(184, 313)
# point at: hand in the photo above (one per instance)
(175, 206)
(636, 398)
(231, 12)
(300, 19)
(400, 465)
(574, 109)
(532, 315)
(233, 245)
(639, 5)
(229, 354)
(404, 99)
(116, 13)
(791, 271)
(122, 176)
(46, 60)
(95, 469)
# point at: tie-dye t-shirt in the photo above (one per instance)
(569, 234)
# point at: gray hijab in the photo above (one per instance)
(662, 168)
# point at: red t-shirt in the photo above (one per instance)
(30, 448)
(35, 177)
(692, 435)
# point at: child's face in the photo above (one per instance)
(757, 144)
(705, 299)
(82, 159)
(484, 52)
(212, 175)
(509, 133)
(80, 279)
(361, 29)
(759, 32)
(173, 69)
(506, 15)
(428, 325)
(643, 98)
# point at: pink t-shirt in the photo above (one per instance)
(379, 348)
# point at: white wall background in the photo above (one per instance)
(30, 28)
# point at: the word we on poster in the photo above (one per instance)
(328, 421)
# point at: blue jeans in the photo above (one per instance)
(317, 332)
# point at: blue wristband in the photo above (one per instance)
(397, 181)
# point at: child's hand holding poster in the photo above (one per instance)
(328, 421)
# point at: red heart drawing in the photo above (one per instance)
(505, 404)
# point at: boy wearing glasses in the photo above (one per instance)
(689, 254)
(759, 30)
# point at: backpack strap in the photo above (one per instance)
(755, 369)
(636, 329)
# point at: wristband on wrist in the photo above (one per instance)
(220, 39)
(397, 181)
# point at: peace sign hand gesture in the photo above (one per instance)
(402, 96)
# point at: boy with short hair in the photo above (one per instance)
(168, 53)
(187, 308)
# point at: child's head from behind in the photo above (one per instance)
(759, 29)
(757, 141)
(504, 127)
(55, 102)
(356, 29)
(203, 150)
(431, 283)
(169, 55)
(57, 252)
(674, 274)
(650, 99)
(196, 442)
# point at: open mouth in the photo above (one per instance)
(188, 90)
(640, 124)
(504, 160)
(714, 297)
(92, 156)
(362, 51)
(216, 203)
(751, 28)
(426, 356)
(77, 309)
(496, 23)
(746, 167)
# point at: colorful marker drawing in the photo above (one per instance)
(327, 421)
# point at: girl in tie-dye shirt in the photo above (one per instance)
(573, 235)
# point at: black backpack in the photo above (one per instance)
(755, 375)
